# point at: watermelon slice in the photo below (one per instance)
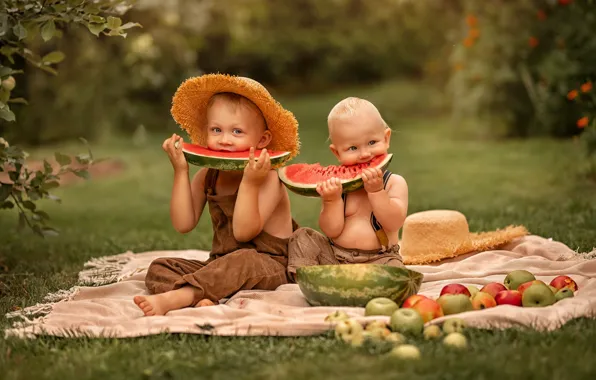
(303, 178)
(356, 284)
(222, 160)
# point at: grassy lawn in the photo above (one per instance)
(495, 183)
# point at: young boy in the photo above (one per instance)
(250, 209)
(363, 226)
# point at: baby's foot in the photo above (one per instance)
(152, 305)
(204, 302)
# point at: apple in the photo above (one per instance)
(563, 293)
(473, 290)
(406, 321)
(456, 340)
(428, 309)
(509, 297)
(375, 325)
(348, 329)
(482, 300)
(380, 306)
(405, 351)
(526, 285)
(337, 316)
(9, 83)
(411, 300)
(454, 325)
(555, 290)
(432, 332)
(378, 334)
(493, 288)
(395, 338)
(455, 289)
(455, 303)
(538, 295)
(561, 282)
(514, 279)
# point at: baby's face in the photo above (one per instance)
(234, 129)
(359, 139)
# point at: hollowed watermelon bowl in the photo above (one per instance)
(356, 284)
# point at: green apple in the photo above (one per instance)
(432, 332)
(380, 306)
(395, 338)
(455, 303)
(538, 295)
(337, 316)
(407, 321)
(378, 334)
(563, 293)
(405, 351)
(358, 340)
(348, 329)
(375, 325)
(456, 340)
(517, 277)
(454, 325)
(473, 290)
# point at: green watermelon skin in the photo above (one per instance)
(356, 284)
(200, 156)
(310, 190)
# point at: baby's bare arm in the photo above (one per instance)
(331, 218)
(188, 200)
(390, 205)
(255, 205)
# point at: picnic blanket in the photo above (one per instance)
(102, 305)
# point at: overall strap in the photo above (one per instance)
(381, 235)
(210, 180)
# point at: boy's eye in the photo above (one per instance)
(237, 131)
(352, 148)
(215, 130)
(372, 142)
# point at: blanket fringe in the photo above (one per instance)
(34, 314)
(104, 270)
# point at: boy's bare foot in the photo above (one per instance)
(160, 304)
(205, 302)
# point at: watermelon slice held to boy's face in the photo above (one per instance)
(222, 160)
(303, 178)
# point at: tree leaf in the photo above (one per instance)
(114, 22)
(129, 25)
(29, 205)
(49, 231)
(53, 57)
(14, 176)
(47, 167)
(50, 185)
(19, 31)
(83, 173)
(7, 114)
(18, 100)
(54, 198)
(97, 19)
(5, 190)
(42, 214)
(62, 159)
(96, 28)
(7, 205)
(47, 30)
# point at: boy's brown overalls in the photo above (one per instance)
(232, 266)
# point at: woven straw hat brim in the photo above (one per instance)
(477, 242)
(189, 109)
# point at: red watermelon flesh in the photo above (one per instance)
(314, 173)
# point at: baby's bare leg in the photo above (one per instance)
(205, 302)
(160, 304)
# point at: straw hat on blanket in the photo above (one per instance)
(189, 109)
(435, 235)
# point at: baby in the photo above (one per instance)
(249, 209)
(361, 227)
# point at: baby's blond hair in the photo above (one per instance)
(351, 106)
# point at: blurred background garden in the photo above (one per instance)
(491, 102)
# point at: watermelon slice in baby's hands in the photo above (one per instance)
(223, 160)
(303, 178)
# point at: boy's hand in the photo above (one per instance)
(173, 147)
(330, 190)
(256, 171)
(373, 180)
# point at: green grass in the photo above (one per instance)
(495, 183)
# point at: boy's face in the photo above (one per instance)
(358, 139)
(235, 128)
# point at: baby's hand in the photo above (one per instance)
(330, 190)
(256, 171)
(173, 147)
(373, 180)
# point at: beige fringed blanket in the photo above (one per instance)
(105, 306)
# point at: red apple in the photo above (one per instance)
(482, 300)
(428, 309)
(509, 297)
(412, 300)
(493, 288)
(526, 285)
(455, 289)
(561, 282)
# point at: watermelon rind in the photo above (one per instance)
(310, 190)
(356, 284)
(218, 159)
